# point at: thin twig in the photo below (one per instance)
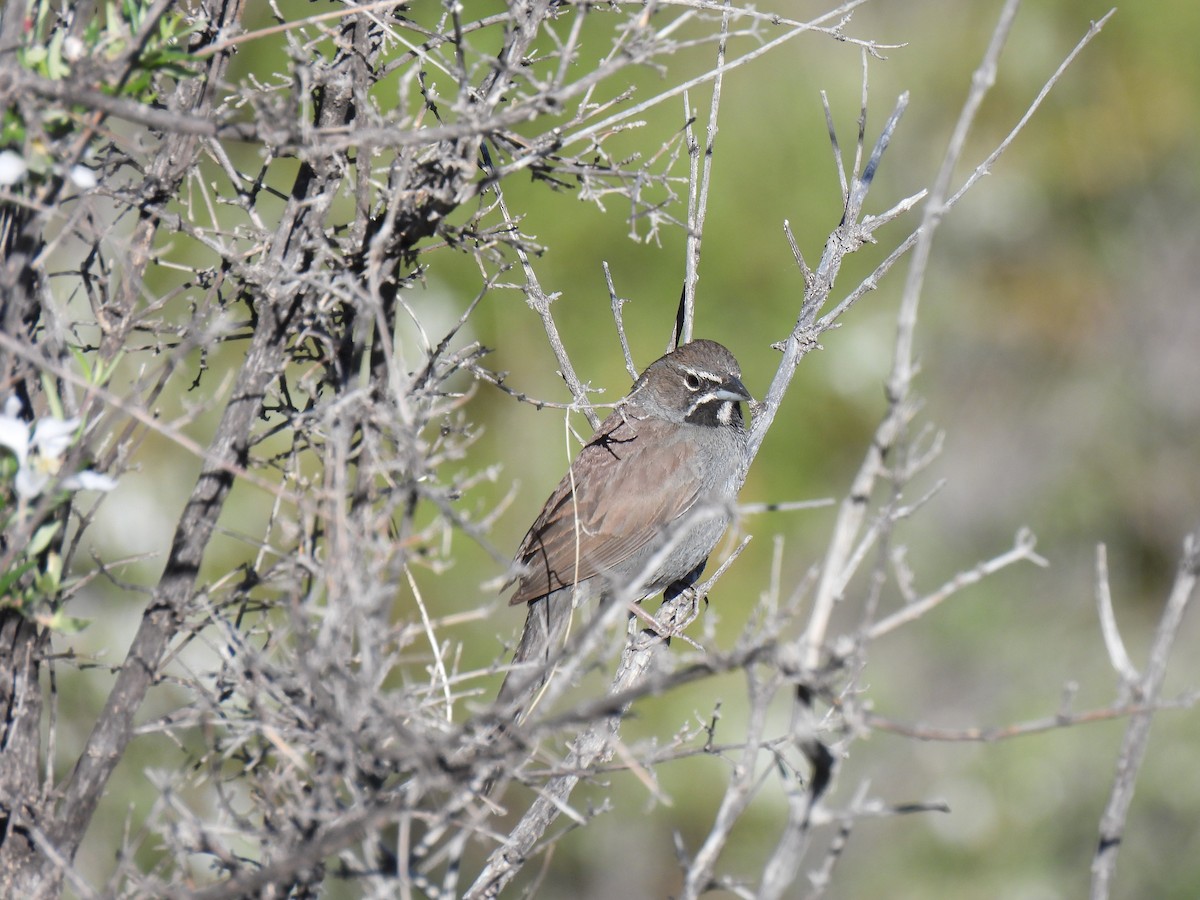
(617, 303)
(1117, 654)
(1022, 550)
(698, 189)
(853, 510)
(1137, 733)
(539, 301)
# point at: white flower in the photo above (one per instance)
(12, 168)
(83, 178)
(87, 480)
(73, 49)
(39, 455)
(14, 433)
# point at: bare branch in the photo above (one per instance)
(1137, 733)
(1022, 551)
(1117, 655)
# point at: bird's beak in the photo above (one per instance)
(733, 389)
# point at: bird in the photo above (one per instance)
(641, 507)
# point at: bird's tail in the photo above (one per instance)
(546, 625)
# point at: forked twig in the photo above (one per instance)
(1137, 733)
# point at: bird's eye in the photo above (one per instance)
(692, 381)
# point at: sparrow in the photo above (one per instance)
(643, 504)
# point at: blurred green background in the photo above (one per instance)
(1060, 352)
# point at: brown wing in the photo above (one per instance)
(612, 501)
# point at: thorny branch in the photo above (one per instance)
(256, 314)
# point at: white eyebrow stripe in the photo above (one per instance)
(700, 373)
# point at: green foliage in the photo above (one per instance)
(30, 460)
(126, 64)
(94, 369)
(33, 596)
(37, 597)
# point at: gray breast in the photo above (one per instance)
(693, 536)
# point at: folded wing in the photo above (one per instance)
(591, 525)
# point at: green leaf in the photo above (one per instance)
(84, 366)
(34, 58)
(44, 589)
(56, 67)
(51, 391)
(10, 577)
(49, 582)
(41, 539)
(136, 85)
(133, 13)
(112, 18)
(62, 623)
(102, 373)
(43, 10)
(12, 130)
